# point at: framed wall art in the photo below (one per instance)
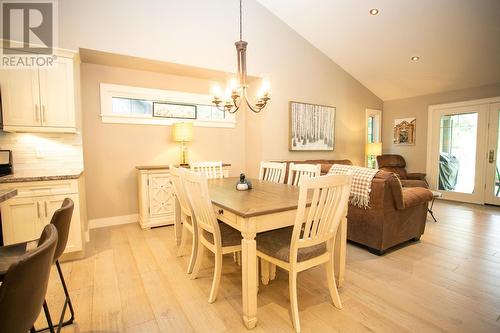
(312, 127)
(405, 130)
(174, 110)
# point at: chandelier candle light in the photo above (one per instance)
(237, 91)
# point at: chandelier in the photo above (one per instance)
(237, 91)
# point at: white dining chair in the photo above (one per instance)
(186, 214)
(297, 171)
(272, 172)
(212, 170)
(217, 237)
(310, 242)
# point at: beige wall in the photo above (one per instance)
(111, 151)
(418, 107)
(202, 33)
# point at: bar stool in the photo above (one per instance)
(11, 253)
(22, 292)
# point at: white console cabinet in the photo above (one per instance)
(156, 196)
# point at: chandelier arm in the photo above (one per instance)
(255, 109)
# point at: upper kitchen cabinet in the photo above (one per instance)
(40, 99)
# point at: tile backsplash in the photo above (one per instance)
(44, 151)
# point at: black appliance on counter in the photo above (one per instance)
(5, 162)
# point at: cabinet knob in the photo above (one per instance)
(221, 211)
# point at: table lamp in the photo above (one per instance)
(373, 149)
(183, 133)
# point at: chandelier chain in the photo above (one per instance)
(241, 25)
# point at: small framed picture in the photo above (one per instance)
(405, 130)
(174, 110)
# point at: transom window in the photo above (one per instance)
(134, 105)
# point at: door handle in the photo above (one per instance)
(43, 114)
(38, 208)
(46, 214)
(37, 117)
(491, 156)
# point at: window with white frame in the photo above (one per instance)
(134, 105)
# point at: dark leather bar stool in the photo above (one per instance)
(11, 253)
(22, 292)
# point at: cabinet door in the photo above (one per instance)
(20, 97)
(21, 220)
(160, 195)
(57, 94)
(53, 203)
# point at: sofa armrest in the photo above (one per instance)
(416, 175)
(415, 196)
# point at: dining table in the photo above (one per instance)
(266, 206)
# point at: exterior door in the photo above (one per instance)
(57, 95)
(160, 195)
(457, 147)
(20, 97)
(492, 195)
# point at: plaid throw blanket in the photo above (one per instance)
(361, 182)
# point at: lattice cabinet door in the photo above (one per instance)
(161, 200)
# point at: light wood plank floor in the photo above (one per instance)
(132, 281)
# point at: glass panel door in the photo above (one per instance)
(457, 152)
(458, 140)
(493, 162)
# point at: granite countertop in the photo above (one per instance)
(7, 194)
(36, 176)
(158, 167)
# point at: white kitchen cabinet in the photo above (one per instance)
(20, 109)
(156, 196)
(25, 216)
(40, 99)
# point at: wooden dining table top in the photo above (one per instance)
(264, 197)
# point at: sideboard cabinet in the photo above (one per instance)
(156, 195)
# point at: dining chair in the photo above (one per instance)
(217, 237)
(22, 292)
(212, 170)
(272, 172)
(61, 220)
(310, 242)
(297, 171)
(186, 214)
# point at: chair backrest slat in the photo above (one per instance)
(179, 190)
(272, 172)
(196, 186)
(297, 171)
(212, 170)
(319, 222)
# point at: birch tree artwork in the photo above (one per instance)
(312, 127)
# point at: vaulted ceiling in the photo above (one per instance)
(457, 41)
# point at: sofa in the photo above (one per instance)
(397, 164)
(395, 216)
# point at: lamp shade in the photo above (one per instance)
(373, 149)
(183, 132)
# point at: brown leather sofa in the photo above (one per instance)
(395, 215)
(397, 164)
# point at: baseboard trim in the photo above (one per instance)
(113, 220)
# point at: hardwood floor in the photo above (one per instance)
(132, 281)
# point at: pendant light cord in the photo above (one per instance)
(241, 25)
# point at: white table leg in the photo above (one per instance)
(340, 252)
(177, 221)
(249, 271)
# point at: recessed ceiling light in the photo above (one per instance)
(415, 58)
(374, 11)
